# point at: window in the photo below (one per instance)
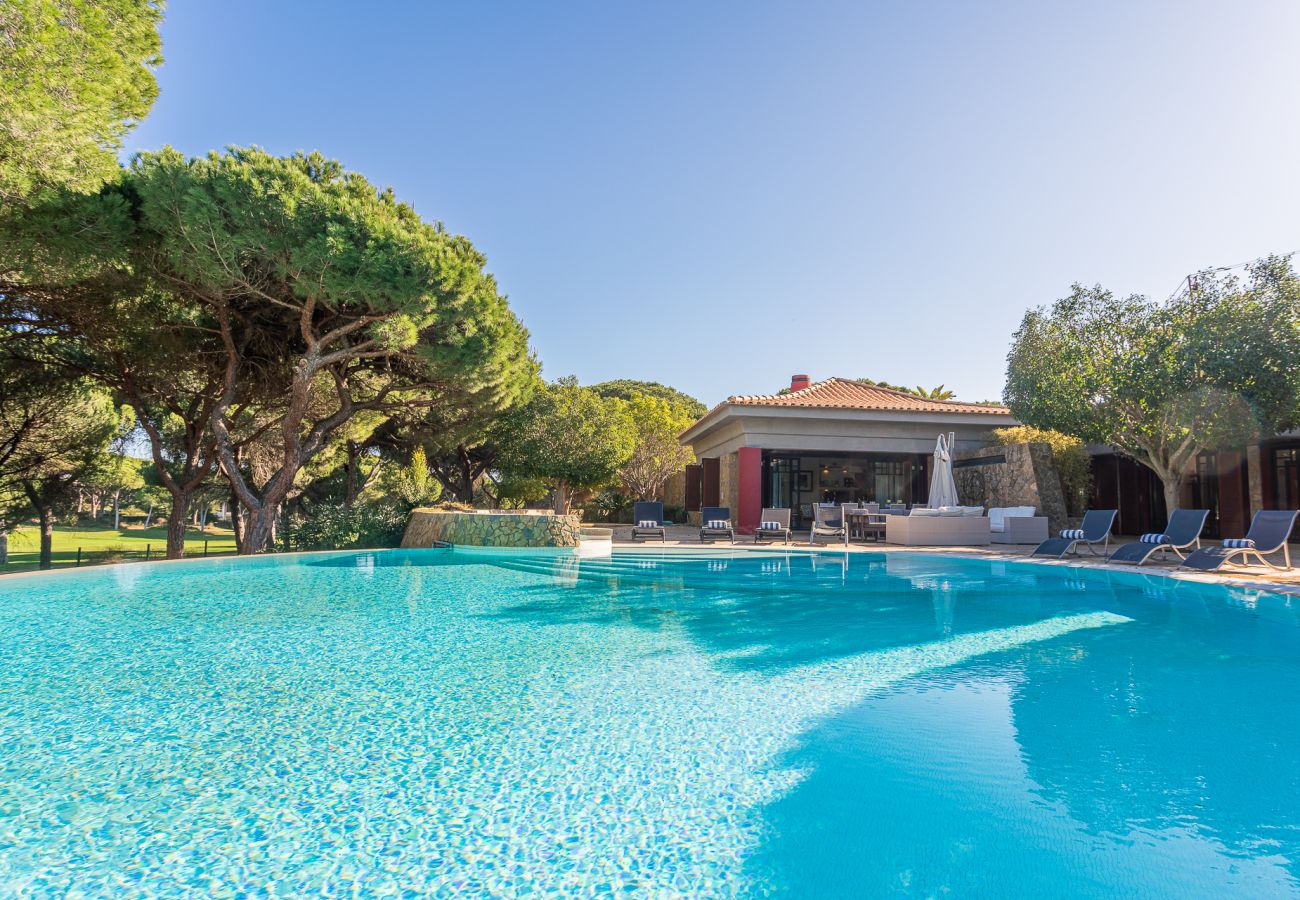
(891, 482)
(1286, 474)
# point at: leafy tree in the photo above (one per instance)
(513, 491)
(303, 298)
(108, 478)
(53, 431)
(77, 76)
(1162, 382)
(887, 386)
(350, 300)
(1069, 455)
(627, 388)
(415, 485)
(568, 436)
(333, 526)
(938, 393)
(657, 453)
(456, 435)
(75, 289)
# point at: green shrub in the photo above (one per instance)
(1073, 462)
(333, 526)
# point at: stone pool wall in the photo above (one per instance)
(491, 528)
(1012, 475)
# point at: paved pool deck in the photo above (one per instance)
(1258, 577)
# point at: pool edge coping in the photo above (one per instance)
(1287, 588)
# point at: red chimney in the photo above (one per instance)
(799, 382)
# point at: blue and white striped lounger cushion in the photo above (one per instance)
(1238, 543)
(1072, 534)
(719, 523)
(1154, 538)
(647, 523)
(771, 526)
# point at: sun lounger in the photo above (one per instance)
(715, 522)
(1183, 533)
(648, 520)
(773, 524)
(828, 521)
(1095, 530)
(1269, 532)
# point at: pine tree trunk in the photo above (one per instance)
(563, 497)
(4, 544)
(176, 525)
(117, 510)
(465, 492)
(237, 523)
(350, 496)
(259, 532)
(47, 536)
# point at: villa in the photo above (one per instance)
(833, 440)
(840, 440)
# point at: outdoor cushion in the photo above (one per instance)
(1238, 543)
(972, 511)
(1072, 534)
(924, 511)
(1154, 538)
(719, 523)
(771, 526)
(647, 523)
(950, 511)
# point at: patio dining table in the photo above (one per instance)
(863, 523)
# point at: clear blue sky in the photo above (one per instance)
(717, 195)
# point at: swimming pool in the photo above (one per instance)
(656, 723)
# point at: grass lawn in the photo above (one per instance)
(103, 544)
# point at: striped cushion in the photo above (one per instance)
(771, 526)
(1238, 543)
(1072, 534)
(1154, 538)
(647, 523)
(718, 523)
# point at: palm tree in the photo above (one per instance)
(939, 393)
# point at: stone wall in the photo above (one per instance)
(1013, 475)
(729, 483)
(491, 528)
(674, 492)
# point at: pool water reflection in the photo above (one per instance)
(656, 722)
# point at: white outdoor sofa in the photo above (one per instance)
(1016, 525)
(951, 526)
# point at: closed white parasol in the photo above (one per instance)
(943, 489)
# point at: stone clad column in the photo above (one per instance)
(749, 489)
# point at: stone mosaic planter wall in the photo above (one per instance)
(491, 528)
(1012, 475)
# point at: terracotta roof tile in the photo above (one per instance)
(842, 393)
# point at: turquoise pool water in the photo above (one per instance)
(652, 724)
